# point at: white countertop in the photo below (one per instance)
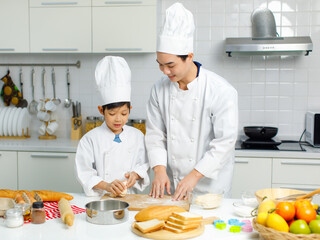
(70, 146)
(54, 229)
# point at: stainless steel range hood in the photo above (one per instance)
(269, 46)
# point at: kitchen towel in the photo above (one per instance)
(52, 210)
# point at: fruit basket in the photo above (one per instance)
(271, 234)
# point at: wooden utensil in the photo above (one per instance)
(317, 191)
(138, 202)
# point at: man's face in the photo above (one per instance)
(173, 66)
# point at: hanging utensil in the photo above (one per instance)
(56, 101)
(43, 80)
(34, 104)
(24, 101)
(67, 102)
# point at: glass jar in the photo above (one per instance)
(130, 122)
(25, 208)
(140, 124)
(90, 123)
(38, 213)
(14, 218)
(100, 121)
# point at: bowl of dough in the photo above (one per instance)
(207, 200)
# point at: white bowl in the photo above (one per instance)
(242, 210)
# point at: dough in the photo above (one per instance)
(123, 193)
(209, 200)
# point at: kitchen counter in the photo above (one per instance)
(54, 229)
(70, 146)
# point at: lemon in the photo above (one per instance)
(277, 222)
(262, 218)
(266, 205)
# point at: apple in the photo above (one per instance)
(314, 226)
(299, 227)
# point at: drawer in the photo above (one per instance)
(106, 3)
(60, 3)
(296, 171)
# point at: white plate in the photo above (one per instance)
(3, 113)
(15, 122)
(23, 122)
(10, 121)
(5, 121)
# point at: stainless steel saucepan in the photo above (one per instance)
(107, 211)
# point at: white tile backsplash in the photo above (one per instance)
(272, 90)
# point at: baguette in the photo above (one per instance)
(182, 227)
(149, 226)
(186, 216)
(48, 196)
(176, 230)
(162, 212)
(183, 222)
(18, 198)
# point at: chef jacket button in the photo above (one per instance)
(172, 137)
(190, 159)
(193, 119)
(173, 97)
(172, 118)
(192, 139)
(173, 158)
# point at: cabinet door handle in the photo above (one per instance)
(48, 156)
(0, 154)
(60, 49)
(306, 189)
(123, 49)
(122, 2)
(7, 49)
(241, 161)
(300, 163)
(58, 3)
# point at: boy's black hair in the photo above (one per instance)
(116, 105)
(183, 57)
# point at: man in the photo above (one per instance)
(192, 117)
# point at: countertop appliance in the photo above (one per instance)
(313, 128)
(272, 144)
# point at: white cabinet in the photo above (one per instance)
(14, 25)
(49, 171)
(126, 27)
(8, 166)
(60, 26)
(251, 174)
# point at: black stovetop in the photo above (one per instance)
(273, 144)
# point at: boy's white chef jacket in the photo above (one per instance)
(99, 158)
(194, 129)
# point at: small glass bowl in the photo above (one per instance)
(249, 198)
(242, 209)
(207, 200)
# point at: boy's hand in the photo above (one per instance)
(132, 178)
(116, 187)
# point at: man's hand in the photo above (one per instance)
(132, 178)
(116, 187)
(160, 182)
(186, 185)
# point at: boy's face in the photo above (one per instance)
(173, 66)
(115, 118)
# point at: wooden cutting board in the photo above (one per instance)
(138, 202)
(164, 234)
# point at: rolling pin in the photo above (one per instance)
(66, 212)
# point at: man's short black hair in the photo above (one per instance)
(116, 105)
(183, 57)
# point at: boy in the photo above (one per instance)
(113, 152)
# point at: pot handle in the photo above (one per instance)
(263, 131)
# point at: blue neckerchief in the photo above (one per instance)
(198, 66)
(117, 138)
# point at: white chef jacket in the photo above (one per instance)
(194, 129)
(99, 158)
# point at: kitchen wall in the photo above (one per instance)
(274, 91)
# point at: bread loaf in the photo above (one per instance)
(48, 196)
(162, 212)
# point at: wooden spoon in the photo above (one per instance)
(309, 194)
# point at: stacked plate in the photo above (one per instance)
(13, 121)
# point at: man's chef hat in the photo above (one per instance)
(113, 79)
(177, 33)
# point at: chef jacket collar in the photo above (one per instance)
(191, 84)
(198, 66)
(122, 135)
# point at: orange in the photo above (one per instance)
(306, 213)
(302, 202)
(286, 210)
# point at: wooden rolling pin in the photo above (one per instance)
(66, 212)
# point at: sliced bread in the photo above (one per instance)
(176, 230)
(186, 216)
(161, 212)
(179, 226)
(183, 222)
(149, 226)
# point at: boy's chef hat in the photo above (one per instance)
(113, 79)
(177, 33)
